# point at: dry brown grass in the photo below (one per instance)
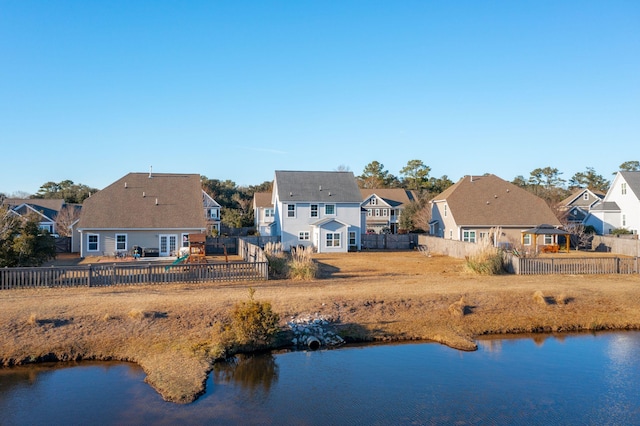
(177, 330)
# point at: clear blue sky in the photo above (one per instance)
(92, 90)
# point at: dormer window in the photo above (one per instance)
(373, 201)
(623, 188)
(585, 196)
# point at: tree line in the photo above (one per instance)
(236, 201)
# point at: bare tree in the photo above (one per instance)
(65, 218)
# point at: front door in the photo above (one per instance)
(168, 245)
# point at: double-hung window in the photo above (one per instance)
(526, 239)
(93, 242)
(314, 210)
(548, 239)
(291, 210)
(333, 239)
(121, 242)
(268, 213)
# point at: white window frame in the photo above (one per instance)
(445, 210)
(526, 239)
(623, 188)
(291, 210)
(304, 235)
(184, 240)
(469, 236)
(332, 239)
(377, 212)
(624, 220)
(352, 238)
(269, 212)
(373, 201)
(585, 196)
(330, 206)
(369, 212)
(385, 212)
(314, 210)
(118, 247)
(96, 243)
(548, 239)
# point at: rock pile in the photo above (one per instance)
(313, 332)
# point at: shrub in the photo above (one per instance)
(253, 322)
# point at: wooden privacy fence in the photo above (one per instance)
(572, 266)
(130, 274)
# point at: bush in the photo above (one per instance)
(253, 322)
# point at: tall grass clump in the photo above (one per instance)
(302, 266)
(277, 258)
(487, 260)
(254, 323)
(539, 298)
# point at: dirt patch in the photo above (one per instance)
(171, 330)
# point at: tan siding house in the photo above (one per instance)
(152, 211)
(476, 206)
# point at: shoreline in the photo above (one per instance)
(172, 331)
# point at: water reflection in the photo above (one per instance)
(252, 373)
(581, 379)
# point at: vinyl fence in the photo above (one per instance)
(572, 266)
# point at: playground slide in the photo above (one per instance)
(178, 260)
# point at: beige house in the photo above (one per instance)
(155, 212)
(476, 206)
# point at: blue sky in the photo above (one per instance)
(92, 90)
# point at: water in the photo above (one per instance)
(579, 379)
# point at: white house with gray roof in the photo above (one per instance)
(318, 209)
(620, 207)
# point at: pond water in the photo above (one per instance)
(577, 379)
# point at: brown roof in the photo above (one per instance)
(262, 199)
(393, 196)
(490, 201)
(137, 201)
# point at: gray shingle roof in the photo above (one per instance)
(130, 203)
(392, 196)
(633, 181)
(328, 187)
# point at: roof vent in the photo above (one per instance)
(150, 171)
(291, 194)
(508, 190)
(143, 194)
(471, 178)
(495, 196)
(487, 203)
(156, 201)
(125, 185)
(329, 193)
(320, 188)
